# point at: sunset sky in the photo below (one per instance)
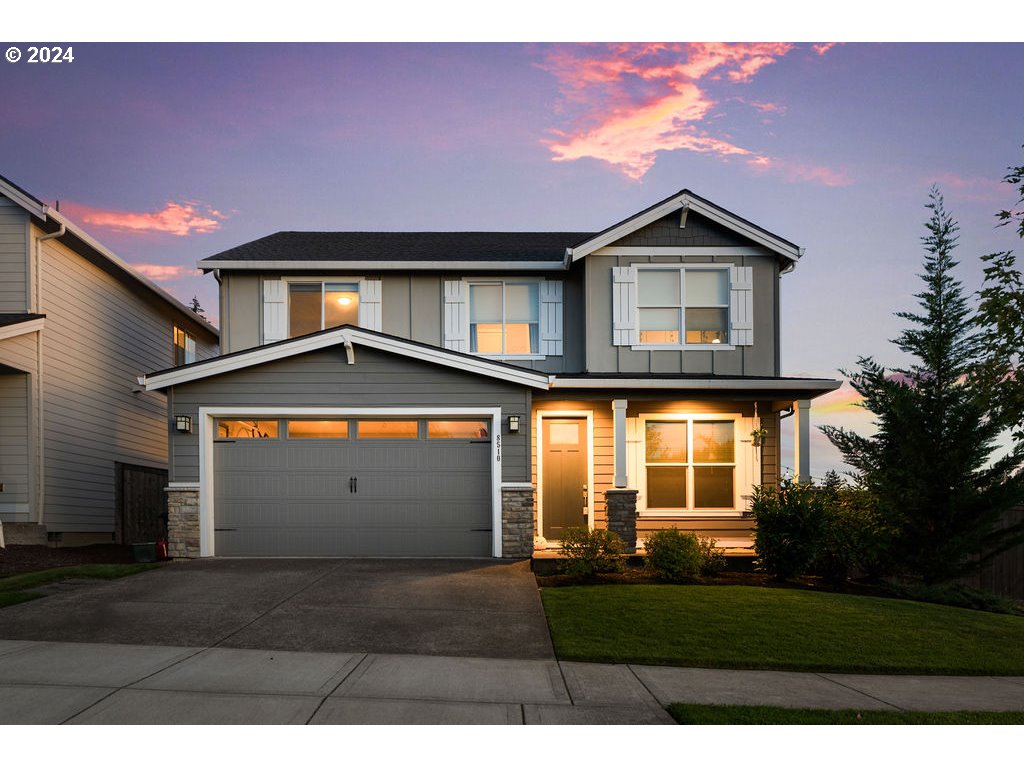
(170, 153)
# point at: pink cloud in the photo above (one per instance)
(822, 48)
(181, 219)
(797, 172)
(164, 272)
(844, 400)
(974, 188)
(641, 99)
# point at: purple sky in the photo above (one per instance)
(170, 153)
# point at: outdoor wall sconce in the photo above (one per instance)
(184, 424)
(513, 424)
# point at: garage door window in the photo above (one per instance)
(388, 430)
(472, 430)
(317, 430)
(246, 429)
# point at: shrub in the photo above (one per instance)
(790, 527)
(676, 556)
(854, 537)
(588, 552)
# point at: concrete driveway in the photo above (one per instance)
(478, 608)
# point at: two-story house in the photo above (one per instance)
(83, 449)
(476, 393)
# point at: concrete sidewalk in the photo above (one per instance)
(47, 683)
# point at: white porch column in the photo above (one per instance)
(802, 440)
(619, 411)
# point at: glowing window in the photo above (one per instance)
(472, 430)
(680, 305)
(315, 306)
(317, 430)
(388, 430)
(247, 429)
(504, 318)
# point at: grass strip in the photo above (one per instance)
(785, 629)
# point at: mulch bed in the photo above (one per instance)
(17, 559)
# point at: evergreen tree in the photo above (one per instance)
(195, 306)
(928, 466)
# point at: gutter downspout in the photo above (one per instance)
(40, 473)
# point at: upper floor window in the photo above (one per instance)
(315, 306)
(669, 306)
(184, 347)
(504, 318)
(683, 306)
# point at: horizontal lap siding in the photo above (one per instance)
(14, 471)
(13, 257)
(19, 352)
(324, 379)
(604, 459)
(99, 337)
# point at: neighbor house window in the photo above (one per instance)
(315, 306)
(679, 307)
(504, 318)
(184, 347)
(690, 464)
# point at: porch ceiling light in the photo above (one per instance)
(184, 424)
(513, 424)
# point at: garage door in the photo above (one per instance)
(352, 488)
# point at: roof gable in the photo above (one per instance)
(714, 223)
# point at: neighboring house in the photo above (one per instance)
(477, 393)
(83, 450)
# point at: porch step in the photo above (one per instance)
(23, 534)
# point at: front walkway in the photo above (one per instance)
(47, 683)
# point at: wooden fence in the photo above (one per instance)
(1004, 574)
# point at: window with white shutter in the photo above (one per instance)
(662, 306)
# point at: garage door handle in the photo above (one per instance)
(353, 485)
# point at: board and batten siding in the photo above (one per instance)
(14, 242)
(100, 335)
(324, 379)
(412, 307)
(14, 469)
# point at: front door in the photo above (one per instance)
(564, 481)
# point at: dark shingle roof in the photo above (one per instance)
(405, 246)
(13, 318)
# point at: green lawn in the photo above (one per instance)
(16, 589)
(704, 714)
(791, 629)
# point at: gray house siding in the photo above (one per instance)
(14, 469)
(412, 307)
(698, 232)
(759, 359)
(324, 379)
(99, 336)
(13, 257)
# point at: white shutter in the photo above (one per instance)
(625, 332)
(456, 315)
(551, 317)
(741, 306)
(370, 305)
(275, 315)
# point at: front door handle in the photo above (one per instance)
(586, 500)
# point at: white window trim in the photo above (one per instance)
(289, 279)
(539, 443)
(469, 311)
(740, 469)
(682, 298)
(207, 432)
